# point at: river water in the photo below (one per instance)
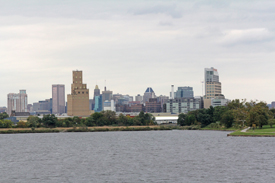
(146, 156)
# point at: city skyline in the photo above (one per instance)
(138, 44)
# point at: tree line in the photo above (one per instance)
(103, 118)
(237, 113)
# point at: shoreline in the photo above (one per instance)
(103, 129)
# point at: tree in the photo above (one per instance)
(49, 120)
(3, 115)
(90, 121)
(68, 122)
(258, 114)
(218, 112)
(122, 120)
(227, 119)
(33, 121)
(181, 119)
(5, 124)
(271, 122)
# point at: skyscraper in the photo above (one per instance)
(96, 93)
(106, 95)
(139, 98)
(149, 93)
(78, 100)
(58, 99)
(185, 92)
(17, 102)
(212, 85)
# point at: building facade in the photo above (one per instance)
(78, 100)
(98, 103)
(153, 106)
(17, 102)
(139, 98)
(149, 93)
(185, 92)
(58, 99)
(183, 105)
(213, 87)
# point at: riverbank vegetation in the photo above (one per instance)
(236, 115)
(97, 129)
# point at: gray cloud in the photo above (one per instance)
(136, 44)
(170, 10)
(247, 36)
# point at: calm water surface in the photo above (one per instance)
(149, 156)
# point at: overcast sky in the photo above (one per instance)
(136, 44)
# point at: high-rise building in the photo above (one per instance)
(96, 93)
(139, 98)
(106, 95)
(149, 93)
(153, 106)
(183, 105)
(78, 100)
(17, 102)
(213, 86)
(185, 92)
(58, 99)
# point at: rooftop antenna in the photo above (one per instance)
(105, 85)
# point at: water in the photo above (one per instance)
(149, 156)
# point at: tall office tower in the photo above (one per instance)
(213, 87)
(96, 93)
(149, 93)
(106, 95)
(78, 100)
(185, 92)
(58, 99)
(17, 102)
(98, 103)
(138, 98)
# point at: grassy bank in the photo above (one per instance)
(266, 131)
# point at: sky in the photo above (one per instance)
(137, 44)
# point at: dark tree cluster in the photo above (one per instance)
(236, 113)
(104, 118)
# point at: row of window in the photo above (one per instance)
(82, 92)
(80, 87)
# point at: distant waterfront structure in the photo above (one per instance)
(98, 103)
(3, 109)
(106, 95)
(183, 105)
(78, 100)
(109, 105)
(58, 99)
(42, 107)
(96, 93)
(153, 106)
(149, 93)
(185, 92)
(17, 102)
(213, 87)
(139, 98)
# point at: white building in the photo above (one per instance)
(17, 102)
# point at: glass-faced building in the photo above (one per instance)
(185, 92)
(98, 103)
